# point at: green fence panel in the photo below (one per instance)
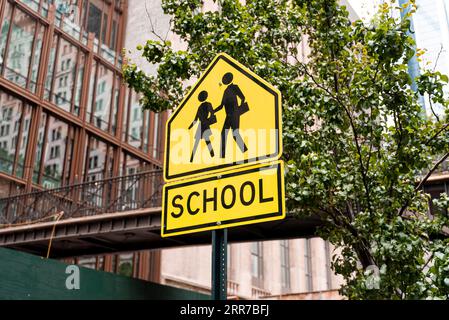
(28, 277)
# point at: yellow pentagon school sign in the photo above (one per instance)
(248, 195)
(230, 118)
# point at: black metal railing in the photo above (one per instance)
(118, 194)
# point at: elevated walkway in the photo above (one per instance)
(113, 215)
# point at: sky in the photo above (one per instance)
(364, 8)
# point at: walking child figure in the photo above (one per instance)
(206, 117)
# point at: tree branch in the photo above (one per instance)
(431, 171)
(423, 181)
(437, 134)
(431, 108)
(152, 29)
(438, 57)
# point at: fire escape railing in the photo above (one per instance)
(117, 194)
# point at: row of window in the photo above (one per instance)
(257, 265)
(127, 264)
(20, 51)
(79, 17)
(55, 148)
(124, 264)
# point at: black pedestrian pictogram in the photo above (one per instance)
(205, 115)
(233, 113)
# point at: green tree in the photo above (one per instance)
(355, 137)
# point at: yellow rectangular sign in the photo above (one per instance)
(245, 196)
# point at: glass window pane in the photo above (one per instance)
(24, 142)
(39, 147)
(83, 14)
(132, 165)
(79, 83)
(68, 9)
(125, 267)
(135, 122)
(104, 28)
(254, 266)
(94, 20)
(69, 155)
(4, 32)
(20, 47)
(95, 166)
(256, 260)
(156, 141)
(93, 72)
(33, 4)
(114, 35)
(125, 115)
(94, 170)
(45, 7)
(285, 264)
(50, 68)
(146, 130)
(110, 164)
(113, 263)
(103, 97)
(10, 117)
(100, 263)
(89, 262)
(65, 75)
(36, 58)
(55, 152)
(115, 105)
(130, 187)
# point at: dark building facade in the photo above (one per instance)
(66, 117)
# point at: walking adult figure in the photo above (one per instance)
(205, 115)
(233, 113)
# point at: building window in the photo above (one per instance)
(136, 115)
(257, 264)
(64, 84)
(13, 115)
(285, 265)
(87, 262)
(308, 265)
(53, 153)
(101, 98)
(93, 162)
(96, 157)
(56, 134)
(94, 20)
(99, 106)
(100, 263)
(229, 262)
(327, 252)
(125, 266)
(135, 121)
(4, 32)
(156, 141)
(19, 62)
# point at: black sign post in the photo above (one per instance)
(219, 264)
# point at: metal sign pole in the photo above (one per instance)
(219, 264)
